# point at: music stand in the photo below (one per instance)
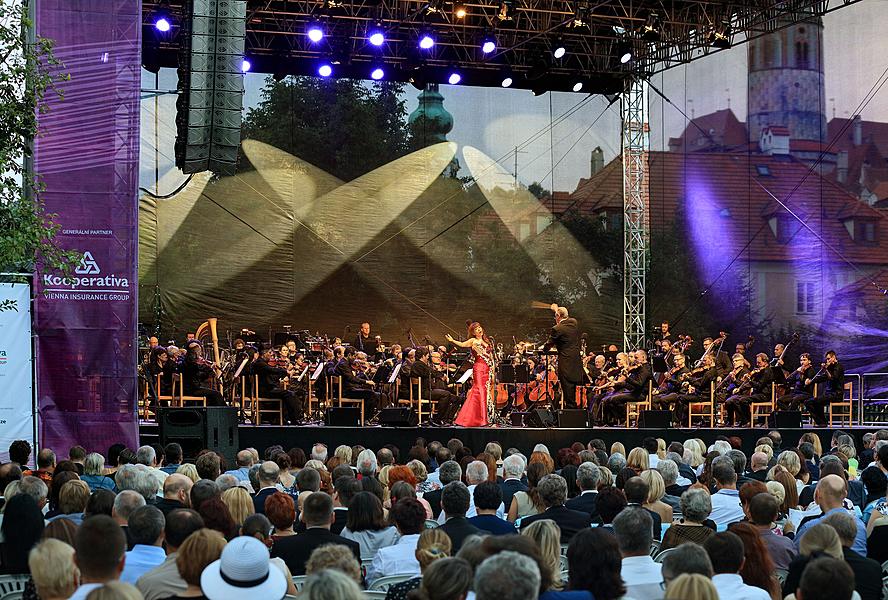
(465, 377)
(658, 363)
(317, 372)
(779, 375)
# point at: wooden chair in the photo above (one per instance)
(336, 384)
(264, 406)
(758, 410)
(149, 412)
(634, 407)
(703, 409)
(180, 399)
(844, 409)
(417, 382)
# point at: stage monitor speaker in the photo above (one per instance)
(345, 416)
(213, 427)
(517, 418)
(785, 419)
(654, 419)
(540, 417)
(397, 417)
(211, 86)
(573, 418)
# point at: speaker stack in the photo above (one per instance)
(213, 427)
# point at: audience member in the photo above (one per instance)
(433, 545)
(334, 556)
(53, 572)
(243, 570)
(100, 502)
(763, 509)
(488, 500)
(201, 491)
(268, 478)
(507, 575)
(826, 578)
(366, 525)
(22, 528)
(513, 469)
(726, 500)
(726, 553)
(201, 548)
(93, 473)
(695, 509)
(408, 516)
(330, 584)
(691, 587)
(688, 558)
(641, 574)
(239, 503)
(125, 504)
(588, 477)
(553, 493)
(547, 537)
(594, 564)
(146, 527)
(165, 579)
(454, 505)
(830, 495)
(444, 579)
(867, 572)
(99, 553)
(528, 502)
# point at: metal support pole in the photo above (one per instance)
(636, 236)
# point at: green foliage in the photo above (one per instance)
(345, 127)
(27, 73)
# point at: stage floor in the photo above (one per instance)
(523, 438)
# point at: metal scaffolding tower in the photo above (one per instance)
(636, 236)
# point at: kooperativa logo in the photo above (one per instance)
(88, 265)
(3, 357)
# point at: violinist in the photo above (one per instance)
(270, 385)
(597, 367)
(755, 386)
(434, 386)
(357, 387)
(668, 392)
(832, 375)
(198, 375)
(695, 387)
(722, 362)
(633, 388)
(799, 392)
(607, 381)
(160, 364)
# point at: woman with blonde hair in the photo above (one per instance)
(606, 479)
(53, 570)
(334, 556)
(433, 545)
(661, 448)
(695, 458)
(656, 491)
(638, 460)
(791, 491)
(691, 586)
(115, 590)
(618, 448)
(819, 540)
(239, 504)
(189, 471)
(813, 439)
(547, 535)
(766, 450)
(344, 454)
(197, 551)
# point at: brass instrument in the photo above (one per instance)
(209, 326)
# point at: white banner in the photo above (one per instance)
(16, 398)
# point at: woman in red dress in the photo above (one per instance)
(475, 410)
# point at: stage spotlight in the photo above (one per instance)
(488, 43)
(325, 70)
(578, 85)
(162, 24)
(508, 78)
(454, 78)
(377, 73)
(375, 35)
(246, 65)
(624, 51)
(315, 32)
(559, 49)
(426, 40)
(459, 11)
(653, 29)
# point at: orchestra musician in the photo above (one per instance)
(160, 364)
(722, 360)
(565, 337)
(363, 342)
(699, 382)
(832, 375)
(433, 383)
(799, 391)
(607, 382)
(664, 335)
(354, 386)
(594, 372)
(758, 385)
(197, 372)
(669, 391)
(633, 388)
(270, 385)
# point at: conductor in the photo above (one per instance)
(565, 338)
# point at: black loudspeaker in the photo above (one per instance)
(346, 416)
(540, 417)
(654, 419)
(397, 417)
(517, 418)
(574, 418)
(213, 427)
(785, 419)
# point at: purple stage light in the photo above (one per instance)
(245, 65)
(488, 46)
(454, 78)
(162, 24)
(377, 73)
(426, 41)
(325, 70)
(315, 33)
(376, 37)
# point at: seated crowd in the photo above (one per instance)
(676, 521)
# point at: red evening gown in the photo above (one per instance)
(474, 410)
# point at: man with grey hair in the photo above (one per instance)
(268, 475)
(367, 463)
(686, 476)
(125, 504)
(616, 463)
(35, 488)
(553, 493)
(319, 452)
(146, 455)
(588, 476)
(125, 477)
(739, 459)
(448, 472)
(476, 473)
(726, 507)
(513, 469)
(720, 446)
(669, 471)
(226, 481)
(686, 559)
(507, 575)
(146, 483)
(867, 572)
(634, 530)
(695, 505)
(146, 526)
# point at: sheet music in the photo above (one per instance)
(317, 373)
(301, 375)
(241, 368)
(395, 372)
(465, 376)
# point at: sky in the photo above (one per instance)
(495, 120)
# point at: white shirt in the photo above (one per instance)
(653, 460)
(83, 591)
(731, 587)
(726, 507)
(643, 577)
(434, 477)
(473, 512)
(399, 559)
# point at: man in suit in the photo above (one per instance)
(432, 386)
(268, 475)
(636, 491)
(488, 498)
(867, 572)
(513, 469)
(455, 504)
(565, 337)
(448, 472)
(588, 477)
(356, 387)
(553, 493)
(317, 514)
(270, 386)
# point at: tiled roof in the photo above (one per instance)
(718, 130)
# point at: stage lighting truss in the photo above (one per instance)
(662, 35)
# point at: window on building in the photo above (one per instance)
(523, 231)
(763, 170)
(805, 298)
(865, 232)
(542, 222)
(784, 227)
(802, 55)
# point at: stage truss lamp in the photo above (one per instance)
(434, 7)
(720, 37)
(325, 69)
(376, 36)
(460, 11)
(505, 11)
(559, 49)
(488, 43)
(246, 65)
(508, 78)
(377, 72)
(426, 40)
(315, 32)
(581, 17)
(653, 29)
(162, 23)
(624, 51)
(454, 78)
(578, 85)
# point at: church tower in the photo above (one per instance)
(785, 84)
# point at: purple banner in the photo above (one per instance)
(87, 157)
